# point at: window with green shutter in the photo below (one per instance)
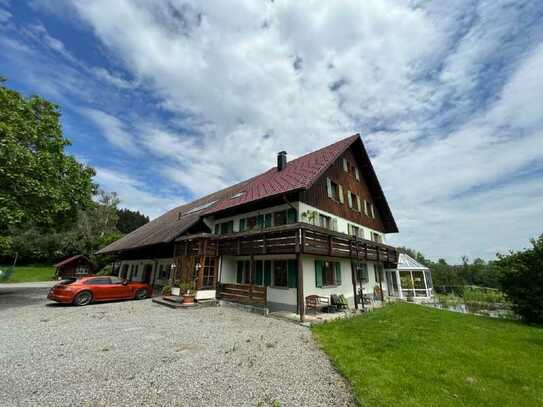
(239, 273)
(267, 272)
(268, 220)
(260, 221)
(291, 215)
(259, 271)
(318, 273)
(338, 273)
(217, 229)
(292, 273)
(242, 225)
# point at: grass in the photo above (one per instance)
(410, 355)
(25, 274)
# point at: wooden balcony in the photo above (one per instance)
(243, 293)
(287, 239)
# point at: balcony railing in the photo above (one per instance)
(288, 239)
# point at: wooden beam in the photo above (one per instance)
(301, 304)
(353, 277)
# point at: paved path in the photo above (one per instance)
(139, 353)
(36, 284)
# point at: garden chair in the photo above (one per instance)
(316, 302)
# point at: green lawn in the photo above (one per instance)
(24, 274)
(410, 355)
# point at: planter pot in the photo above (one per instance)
(188, 299)
(176, 291)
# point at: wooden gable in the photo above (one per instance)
(353, 161)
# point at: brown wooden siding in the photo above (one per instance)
(317, 195)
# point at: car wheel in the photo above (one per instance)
(141, 294)
(83, 298)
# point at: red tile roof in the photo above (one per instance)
(299, 173)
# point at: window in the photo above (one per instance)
(357, 174)
(115, 280)
(280, 273)
(372, 211)
(209, 273)
(366, 208)
(354, 201)
(362, 273)
(345, 165)
(163, 272)
(124, 271)
(327, 222)
(353, 230)
(224, 228)
(243, 275)
(334, 191)
(376, 237)
(327, 273)
(378, 272)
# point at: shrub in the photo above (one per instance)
(474, 295)
(522, 281)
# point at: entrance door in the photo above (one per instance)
(147, 273)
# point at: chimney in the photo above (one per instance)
(281, 160)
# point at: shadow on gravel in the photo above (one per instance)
(22, 297)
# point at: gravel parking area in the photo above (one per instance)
(140, 353)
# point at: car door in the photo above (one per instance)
(119, 289)
(100, 288)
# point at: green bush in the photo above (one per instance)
(522, 281)
(478, 295)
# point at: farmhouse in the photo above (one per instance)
(315, 225)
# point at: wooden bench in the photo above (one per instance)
(316, 302)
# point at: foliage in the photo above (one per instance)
(410, 355)
(483, 295)
(39, 183)
(130, 220)
(167, 290)
(187, 286)
(25, 274)
(444, 275)
(522, 280)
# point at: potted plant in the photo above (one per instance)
(189, 291)
(167, 290)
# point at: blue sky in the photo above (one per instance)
(173, 100)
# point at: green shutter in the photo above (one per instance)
(260, 221)
(268, 220)
(267, 272)
(292, 276)
(318, 273)
(291, 215)
(242, 223)
(239, 274)
(259, 272)
(217, 229)
(338, 273)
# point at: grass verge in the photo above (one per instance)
(410, 355)
(26, 274)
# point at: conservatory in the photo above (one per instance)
(410, 280)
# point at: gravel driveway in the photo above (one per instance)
(140, 353)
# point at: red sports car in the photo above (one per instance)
(83, 291)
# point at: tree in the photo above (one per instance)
(40, 184)
(130, 220)
(521, 279)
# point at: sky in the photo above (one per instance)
(172, 100)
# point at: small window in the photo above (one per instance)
(376, 237)
(334, 191)
(325, 221)
(280, 218)
(372, 211)
(227, 227)
(345, 165)
(357, 174)
(362, 273)
(327, 273)
(366, 207)
(354, 230)
(280, 273)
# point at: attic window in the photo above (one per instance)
(197, 208)
(238, 195)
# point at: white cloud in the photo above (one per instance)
(113, 129)
(134, 194)
(444, 93)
